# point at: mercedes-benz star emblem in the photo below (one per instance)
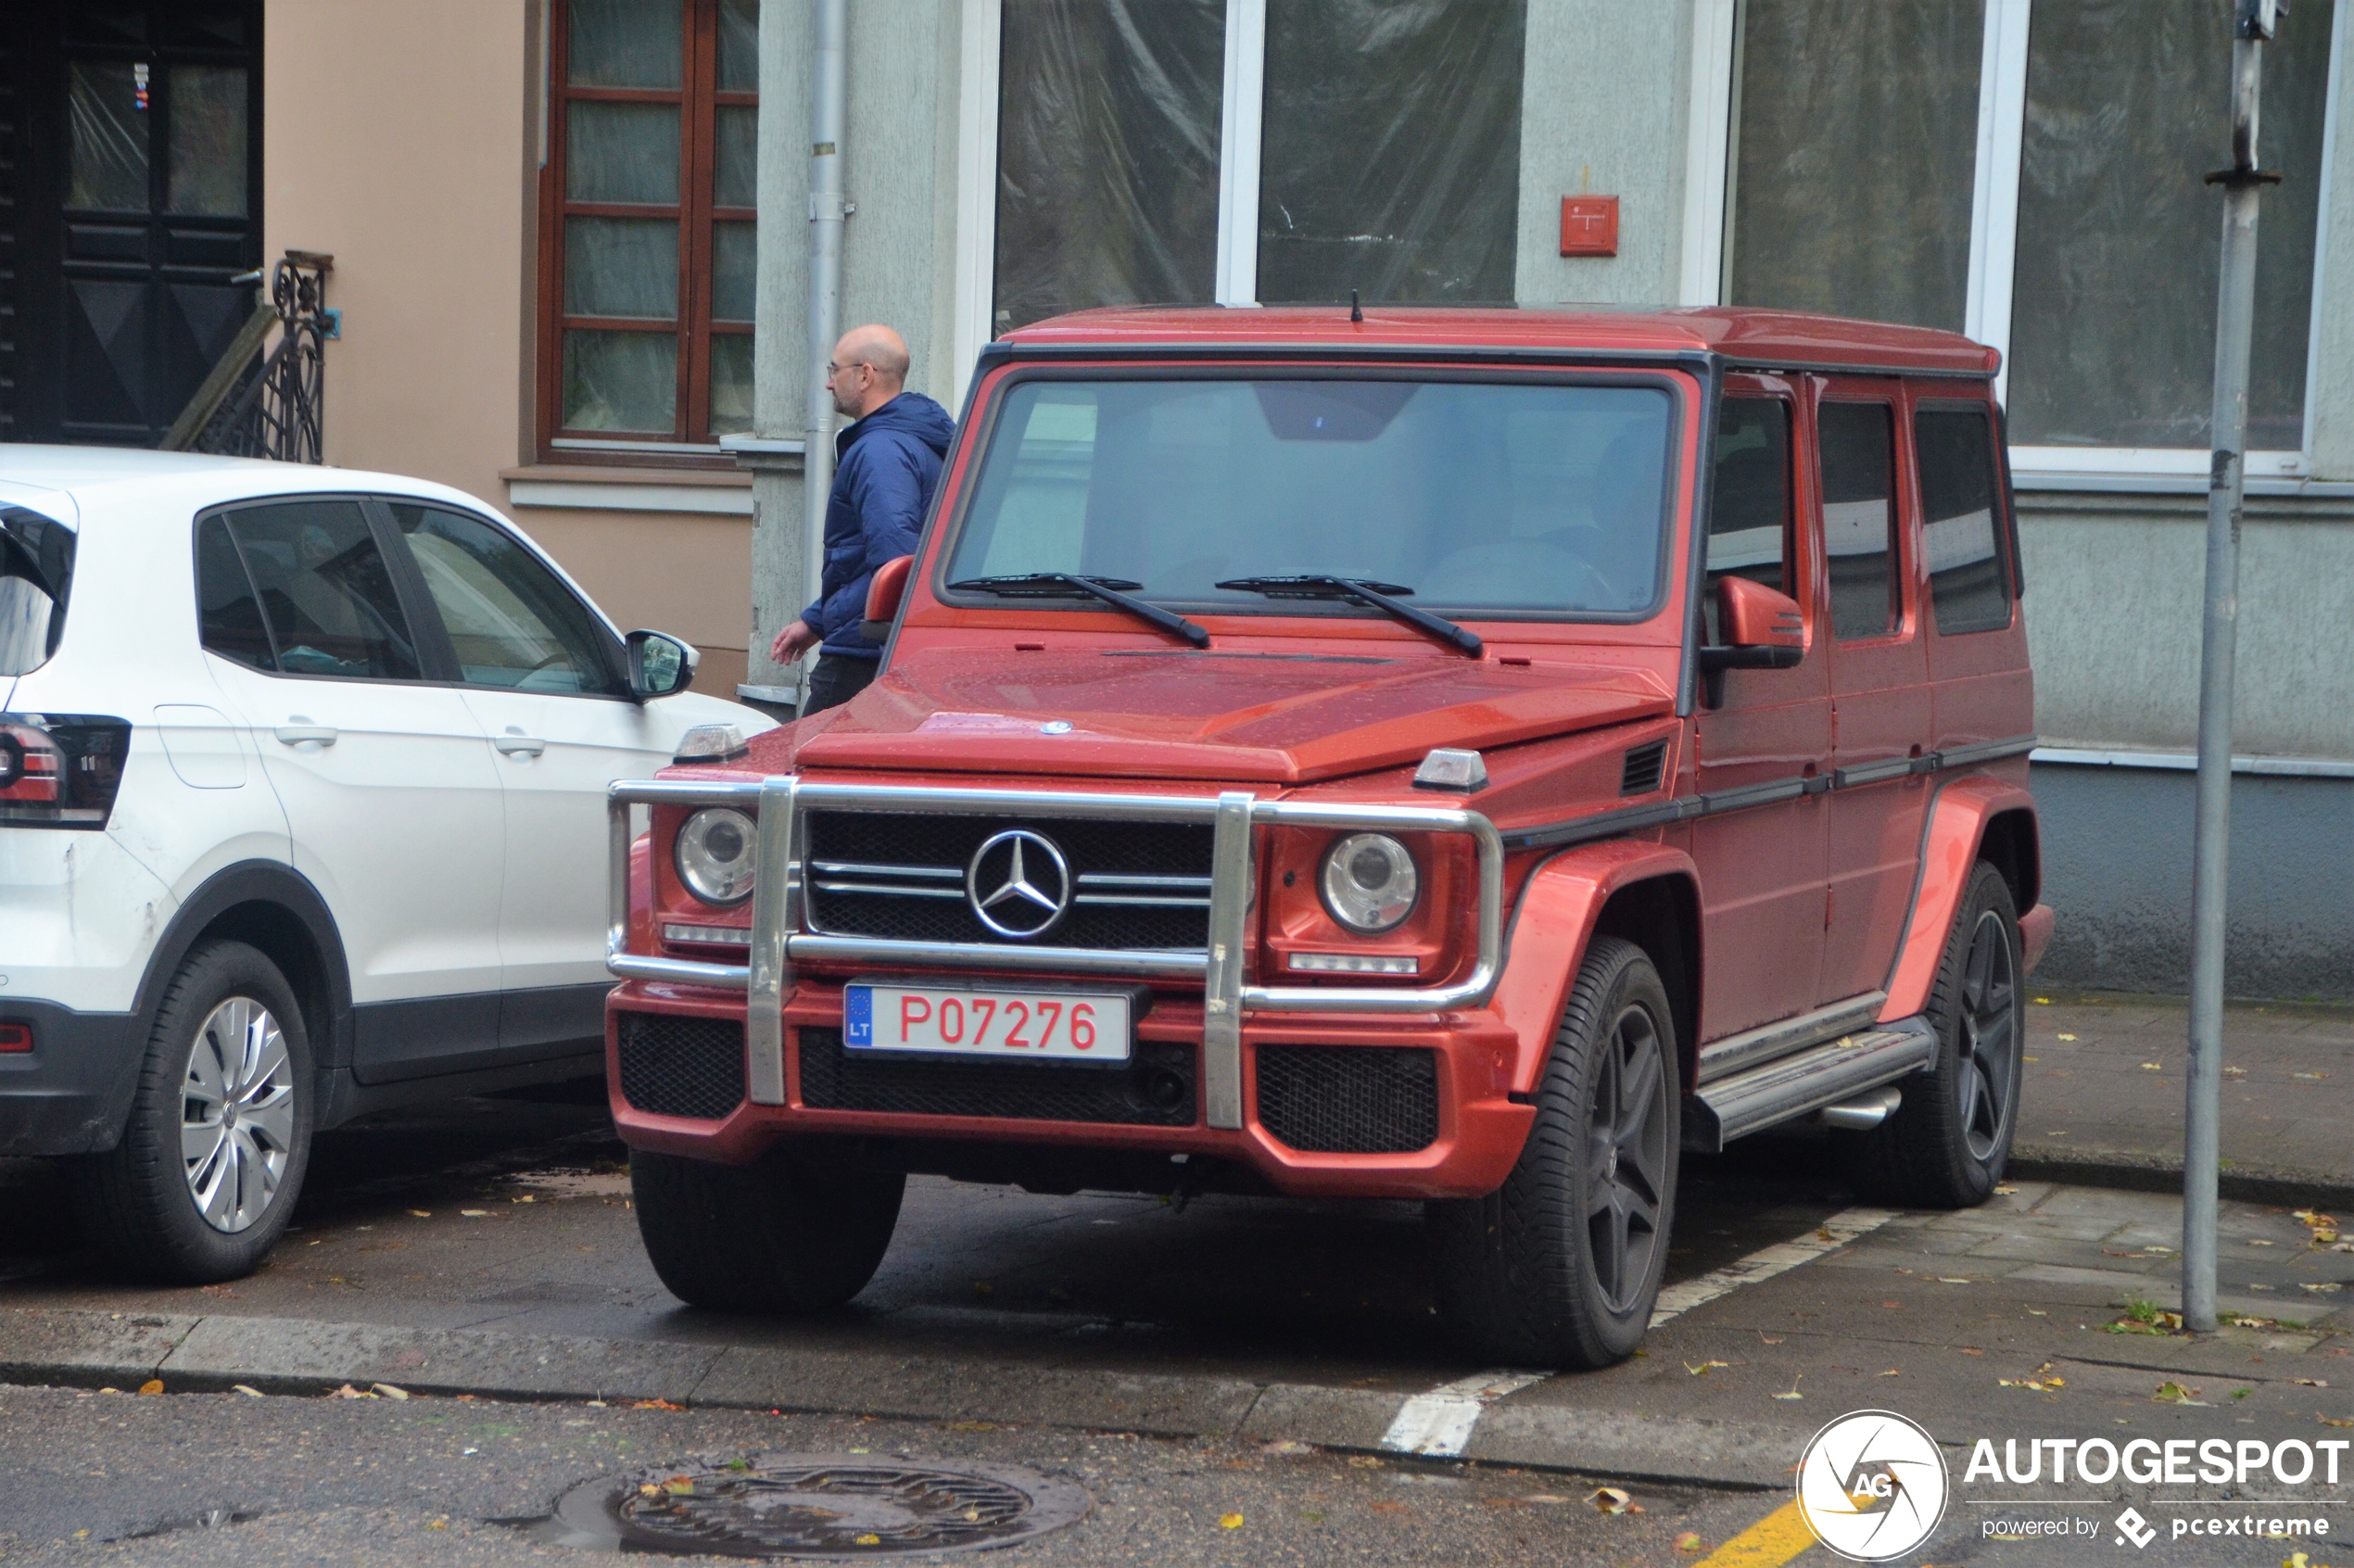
(1018, 883)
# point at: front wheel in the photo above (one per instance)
(1560, 1266)
(784, 1234)
(207, 1171)
(1950, 1137)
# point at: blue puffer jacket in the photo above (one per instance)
(886, 467)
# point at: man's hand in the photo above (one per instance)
(792, 642)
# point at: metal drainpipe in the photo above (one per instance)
(828, 115)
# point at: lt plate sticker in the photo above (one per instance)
(1068, 1025)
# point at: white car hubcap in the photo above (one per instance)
(237, 1114)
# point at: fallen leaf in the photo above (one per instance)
(2043, 1001)
(2175, 1394)
(1611, 1499)
(2236, 1072)
(2314, 1075)
(1287, 1447)
(1892, 1373)
(1363, 1461)
(2153, 1067)
(250, 1392)
(1689, 1541)
(525, 1198)
(1699, 1368)
(2037, 1312)
(2325, 1286)
(1948, 1278)
(1968, 1351)
(2253, 1241)
(1230, 1520)
(870, 1538)
(348, 1392)
(475, 1213)
(153, 1386)
(2002, 1190)
(2314, 1382)
(2165, 1251)
(2067, 1037)
(1771, 1339)
(421, 1213)
(648, 1405)
(2332, 1421)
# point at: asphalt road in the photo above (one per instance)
(508, 1220)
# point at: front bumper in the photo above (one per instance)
(1478, 1129)
(71, 1093)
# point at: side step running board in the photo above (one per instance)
(1788, 1087)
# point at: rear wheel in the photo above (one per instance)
(782, 1235)
(208, 1169)
(1560, 1266)
(1948, 1140)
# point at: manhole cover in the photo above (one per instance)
(817, 1505)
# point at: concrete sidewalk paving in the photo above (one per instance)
(2102, 1099)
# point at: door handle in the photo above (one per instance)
(298, 728)
(515, 744)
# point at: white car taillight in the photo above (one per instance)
(60, 770)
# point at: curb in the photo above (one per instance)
(2135, 1170)
(299, 1356)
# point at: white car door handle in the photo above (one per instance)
(298, 728)
(515, 744)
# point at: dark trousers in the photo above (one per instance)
(838, 678)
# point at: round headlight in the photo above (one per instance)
(715, 854)
(1370, 882)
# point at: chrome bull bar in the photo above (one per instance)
(778, 941)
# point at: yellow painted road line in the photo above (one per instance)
(1769, 1543)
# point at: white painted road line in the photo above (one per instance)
(1780, 1259)
(1440, 1421)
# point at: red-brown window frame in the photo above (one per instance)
(699, 100)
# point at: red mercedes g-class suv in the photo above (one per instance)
(1471, 755)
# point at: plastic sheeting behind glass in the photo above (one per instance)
(209, 140)
(1857, 147)
(2113, 312)
(108, 165)
(1390, 153)
(1106, 153)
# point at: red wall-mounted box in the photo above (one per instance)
(1590, 225)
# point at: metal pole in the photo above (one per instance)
(2235, 327)
(827, 120)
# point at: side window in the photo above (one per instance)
(228, 615)
(512, 622)
(1859, 517)
(1959, 510)
(325, 590)
(1749, 504)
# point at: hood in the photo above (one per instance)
(910, 412)
(1282, 718)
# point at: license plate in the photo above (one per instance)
(1073, 1026)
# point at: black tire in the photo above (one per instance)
(1559, 1267)
(136, 1203)
(1948, 1140)
(782, 1235)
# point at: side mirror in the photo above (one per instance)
(659, 665)
(1762, 628)
(885, 593)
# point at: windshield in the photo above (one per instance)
(36, 570)
(1480, 499)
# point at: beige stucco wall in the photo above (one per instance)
(403, 137)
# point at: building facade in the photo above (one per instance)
(2028, 172)
(572, 255)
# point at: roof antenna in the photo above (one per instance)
(1356, 311)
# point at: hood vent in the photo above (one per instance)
(1644, 764)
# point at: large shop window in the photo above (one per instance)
(647, 224)
(1873, 156)
(1379, 150)
(1857, 138)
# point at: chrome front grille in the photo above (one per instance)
(1135, 886)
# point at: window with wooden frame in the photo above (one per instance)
(647, 205)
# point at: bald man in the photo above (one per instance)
(886, 465)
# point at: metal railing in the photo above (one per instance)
(269, 406)
(778, 940)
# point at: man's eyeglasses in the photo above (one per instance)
(832, 369)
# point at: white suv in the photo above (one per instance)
(302, 813)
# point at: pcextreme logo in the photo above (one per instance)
(1872, 1485)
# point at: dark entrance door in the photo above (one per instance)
(137, 176)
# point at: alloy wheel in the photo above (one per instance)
(1626, 1157)
(1990, 1042)
(237, 1114)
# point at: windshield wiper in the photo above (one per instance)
(1068, 585)
(1378, 595)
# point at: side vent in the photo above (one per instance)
(1644, 764)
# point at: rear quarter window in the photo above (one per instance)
(1968, 587)
(36, 575)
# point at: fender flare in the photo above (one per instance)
(1950, 840)
(256, 881)
(1559, 905)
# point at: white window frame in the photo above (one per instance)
(1711, 160)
